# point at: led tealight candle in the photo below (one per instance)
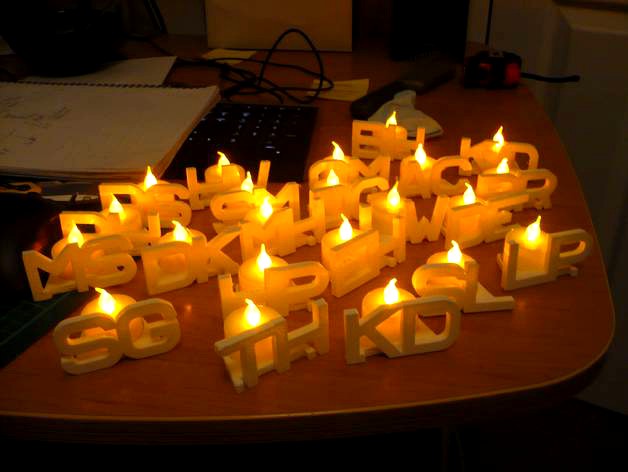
(372, 139)
(454, 274)
(397, 330)
(335, 238)
(471, 221)
(489, 153)
(386, 207)
(112, 305)
(251, 273)
(74, 237)
(415, 174)
(112, 326)
(122, 220)
(247, 318)
(531, 256)
(389, 295)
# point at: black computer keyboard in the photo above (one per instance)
(247, 134)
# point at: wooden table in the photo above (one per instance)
(543, 351)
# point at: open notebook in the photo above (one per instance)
(95, 131)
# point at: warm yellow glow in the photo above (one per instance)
(263, 259)
(116, 208)
(247, 184)
(179, 232)
(75, 236)
(346, 231)
(533, 231)
(393, 199)
(454, 255)
(469, 195)
(332, 178)
(252, 315)
(338, 153)
(498, 139)
(391, 293)
(420, 156)
(266, 209)
(392, 119)
(222, 161)
(150, 179)
(106, 302)
(503, 168)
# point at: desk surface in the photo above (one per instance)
(544, 350)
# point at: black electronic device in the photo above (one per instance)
(492, 69)
(248, 133)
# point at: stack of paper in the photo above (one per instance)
(95, 131)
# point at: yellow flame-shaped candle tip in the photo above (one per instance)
(503, 167)
(75, 236)
(392, 119)
(247, 183)
(116, 208)
(469, 195)
(332, 178)
(338, 153)
(179, 232)
(266, 209)
(222, 161)
(393, 198)
(420, 156)
(150, 179)
(454, 255)
(533, 231)
(263, 259)
(106, 302)
(346, 231)
(391, 293)
(252, 315)
(498, 139)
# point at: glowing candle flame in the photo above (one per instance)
(266, 209)
(391, 293)
(106, 302)
(263, 259)
(454, 255)
(420, 156)
(332, 178)
(346, 231)
(533, 231)
(247, 184)
(75, 236)
(150, 179)
(469, 195)
(393, 198)
(222, 161)
(503, 167)
(180, 233)
(498, 139)
(338, 153)
(116, 208)
(252, 315)
(392, 119)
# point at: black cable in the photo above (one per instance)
(489, 18)
(544, 78)
(248, 83)
(155, 13)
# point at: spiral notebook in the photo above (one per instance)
(95, 131)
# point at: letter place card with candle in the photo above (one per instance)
(256, 337)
